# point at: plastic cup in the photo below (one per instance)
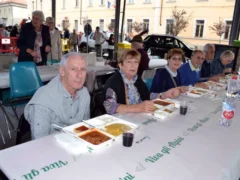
(128, 139)
(128, 136)
(183, 108)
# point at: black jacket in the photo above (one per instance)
(27, 39)
(116, 83)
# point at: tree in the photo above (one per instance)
(219, 28)
(180, 21)
(137, 27)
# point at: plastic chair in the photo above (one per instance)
(148, 83)
(23, 131)
(24, 81)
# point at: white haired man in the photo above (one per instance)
(220, 65)
(63, 101)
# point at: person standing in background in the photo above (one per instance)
(34, 40)
(99, 40)
(110, 49)
(66, 34)
(73, 40)
(137, 43)
(14, 32)
(22, 23)
(55, 55)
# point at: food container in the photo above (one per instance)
(95, 138)
(116, 128)
(161, 114)
(160, 104)
(77, 128)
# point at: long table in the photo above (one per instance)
(187, 147)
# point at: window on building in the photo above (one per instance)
(77, 3)
(129, 25)
(112, 23)
(101, 24)
(64, 4)
(170, 1)
(102, 2)
(169, 26)
(145, 23)
(199, 28)
(76, 25)
(147, 1)
(228, 29)
(131, 1)
(90, 2)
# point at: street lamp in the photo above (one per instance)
(33, 5)
(41, 4)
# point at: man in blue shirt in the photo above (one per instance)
(190, 71)
(219, 65)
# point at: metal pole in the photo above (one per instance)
(123, 18)
(41, 4)
(32, 5)
(235, 23)
(116, 30)
(87, 34)
(54, 11)
(161, 13)
(81, 12)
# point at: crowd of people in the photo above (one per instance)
(65, 101)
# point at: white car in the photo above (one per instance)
(91, 42)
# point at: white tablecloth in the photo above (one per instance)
(191, 147)
(49, 72)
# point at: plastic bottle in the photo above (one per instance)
(229, 103)
(228, 111)
(238, 82)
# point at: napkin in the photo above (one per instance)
(71, 144)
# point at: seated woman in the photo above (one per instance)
(125, 90)
(168, 77)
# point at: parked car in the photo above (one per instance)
(91, 42)
(158, 45)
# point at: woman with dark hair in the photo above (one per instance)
(14, 32)
(34, 40)
(168, 77)
(125, 90)
(110, 49)
(22, 23)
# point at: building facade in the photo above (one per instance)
(153, 14)
(13, 11)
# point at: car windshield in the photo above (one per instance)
(189, 45)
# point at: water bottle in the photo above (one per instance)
(229, 103)
(238, 83)
(228, 110)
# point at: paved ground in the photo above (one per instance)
(3, 126)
